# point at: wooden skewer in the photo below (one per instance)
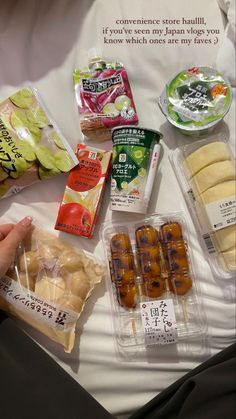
(133, 323)
(165, 275)
(184, 309)
(164, 269)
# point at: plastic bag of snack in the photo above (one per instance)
(104, 97)
(31, 146)
(48, 285)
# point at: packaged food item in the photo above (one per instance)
(31, 146)
(48, 285)
(196, 99)
(123, 268)
(135, 157)
(104, 97)
(207, 175)
(84, 191)
(152, 282)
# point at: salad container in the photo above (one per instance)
(196, 99)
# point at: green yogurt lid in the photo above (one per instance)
(196, 98)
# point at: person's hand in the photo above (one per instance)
(10, 237)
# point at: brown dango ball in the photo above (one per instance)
(146, 236)
(180, 284)
(127, 296)
(123, 261)
(171, 231)
(120, 243)
(153, 288)
(176, 249)
(150, 268)
(149, 253)
(178, 264)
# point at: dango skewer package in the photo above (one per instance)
(152, 282)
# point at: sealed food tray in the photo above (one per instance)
(152, 282)
(206, 173)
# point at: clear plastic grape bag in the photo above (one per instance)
(48, 285)
(31, 146)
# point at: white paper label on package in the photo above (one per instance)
(196, 209)
(222, 213)
(159, 322)
(37, 308)
(187, 113)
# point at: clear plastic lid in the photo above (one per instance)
(152, 282)
(206, 173)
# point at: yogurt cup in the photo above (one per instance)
(196, 99)
(136, 152)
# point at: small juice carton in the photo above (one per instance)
(84, 191)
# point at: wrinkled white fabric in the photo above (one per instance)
(40, 43)
(225, 60)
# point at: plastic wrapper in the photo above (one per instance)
(31, 146)
(49, 284)
(104, 98)
(152, 284)
(207, 175)
(196, 99)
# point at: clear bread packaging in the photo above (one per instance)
(152, 282)
(207, 175)
(31, 146)
(48, 285)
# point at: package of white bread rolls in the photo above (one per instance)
(206, 172)
(48, 284)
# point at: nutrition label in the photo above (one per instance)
(159, 322)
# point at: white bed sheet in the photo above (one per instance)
(41, 43)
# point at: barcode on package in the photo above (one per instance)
(191, 195)
(208, 243)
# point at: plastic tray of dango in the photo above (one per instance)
(152, 281)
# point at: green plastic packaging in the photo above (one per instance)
(196, 99)
(31, 146)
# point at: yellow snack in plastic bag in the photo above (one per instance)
(49, 285)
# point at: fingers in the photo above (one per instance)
(18, 233)
(5, 230)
